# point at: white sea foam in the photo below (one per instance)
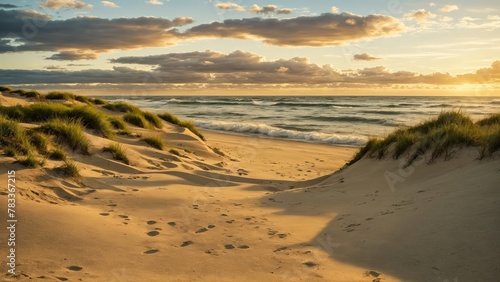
(270, 131)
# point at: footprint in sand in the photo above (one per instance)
(151, 222)
(210, 226)
(112, 205)
(243, 247)
(201, 230)
(229, 246)
(62, 278)
(310, 263)
(152, 251)
(123, 216)
(171, 223)
(230, 221)
(186, 243)
(74, 268)
(104, 214)
(153, 233)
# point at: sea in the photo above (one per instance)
(338, 120)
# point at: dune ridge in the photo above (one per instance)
(236, 208)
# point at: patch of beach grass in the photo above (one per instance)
(442, 136)
(69, 168)
(31, 161)
(69, 132)
(154, 141)
(117, 152)
(168, 117)
(57, 154)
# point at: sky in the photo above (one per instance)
(275, 47)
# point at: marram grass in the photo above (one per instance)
(441, 136)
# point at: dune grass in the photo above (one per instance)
(69, 132)
(174, 152)
(58, 95)
(57, 154)
(154, 141)
(39, 140)
(443, 136)
(10, 152)
(4, 88)
(168, 117)
(31, 161)
(121, 107)
(13, 136)
(137, 119)
(39, 112)
(117, 152)
(69, 169)
(153, 119)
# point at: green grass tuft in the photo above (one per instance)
(69, 132)
(153, 119)
(168, 117)
(442, 135)
(10, 152)
(117, 152)
(57, 95)
(39, 140)
(69, 169)
(12, 135)
(6, 89)
(92, 118)
(174, 152)
(122, 107)
(154, 141)
(136, 119)
(31, 161)
(57, 154)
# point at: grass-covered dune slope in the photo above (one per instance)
(54, 125)
(440, 136)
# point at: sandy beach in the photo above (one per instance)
(239, 208)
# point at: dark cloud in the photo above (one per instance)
(242, 68)
(324, 30)
(8, 6)
(365, 57)
(87, 37)
(84, 37)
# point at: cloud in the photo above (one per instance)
(421, 16)
(72, 39)
(323, 30)
(214, 69)
(432, 4)
(365, 57)
(8, 6)
(334, 10)
(268, 9)
(109, 4)
(230, 6)
(493, 17)
(68, 4)
(154, 2)
(54, 68)
(448, 8)
(73, 56)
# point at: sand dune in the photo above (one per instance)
(237, 208)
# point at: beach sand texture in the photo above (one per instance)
(237, 208)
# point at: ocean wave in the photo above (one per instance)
(262, 103)
(348, 119)
(495, 101)
(390, 113)
(275, 132)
